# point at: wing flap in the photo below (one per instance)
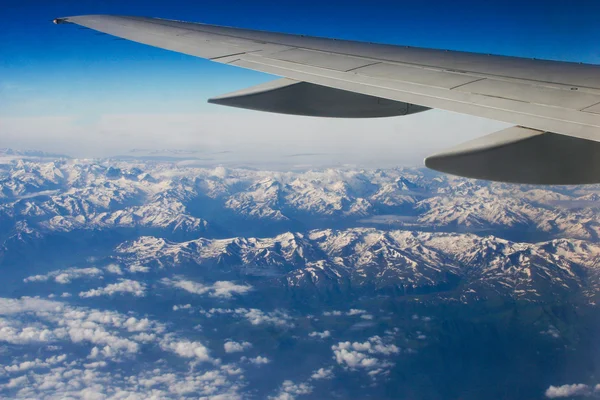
(322, 60)
(522, 155)
(287, 96)
(417, 75)
(527, 93)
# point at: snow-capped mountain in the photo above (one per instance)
(457, 266)
(155, 202)
(69, 195)
(147, 277)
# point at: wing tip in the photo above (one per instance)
(59, 21)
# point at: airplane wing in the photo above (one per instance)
(554, 105)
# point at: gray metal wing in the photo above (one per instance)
(547, 96)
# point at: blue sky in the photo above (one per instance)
(49, 71)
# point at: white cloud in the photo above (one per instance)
(14, 332)
(223, 289)
(226, 289)
(17, 382)
(27, 304)
(66, 275)
(354, 359)
(113, 343)
(114, 269)
(254, 316)
(352, 312)
(123, 286)
(322, 335)
(358, 355)
(93, 381)
(137, 325)
(355, 311)
(95, 364)
(289, 390)
(334, 313)
(187, 285)
(144, 337)
(57, 322)
(576, 389)
(257, 317)
(552, 331)
(37, 363)
(322, 373)
(259, 360)
(234, 347)
(36, 278)
(113, 337)
(186, 348)
(138, 268)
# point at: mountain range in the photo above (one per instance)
(347, 271)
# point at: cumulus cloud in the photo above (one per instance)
(356, 355)
(51, 321)
(259, 360)
(334, 313)
(123, 286)
(289, 390)
(93, 381)
(15, 332)
(355, 311)
(235, 347)
(551, 331)
(114, 269)
(226, 289)
(144, 337)
(65, 276)
(576, 389)
(254, 316)
(322, 373)
(223, 289)
(34, 364)
(186, 348)
(352, 312)
(28, 305)
(113, 337)
(137, 325)
(322, 335)
(138, 268)
(257, 317)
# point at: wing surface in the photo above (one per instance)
(545, 95)
(545, 99)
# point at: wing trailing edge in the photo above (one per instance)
(288, 96)
(523, 155)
